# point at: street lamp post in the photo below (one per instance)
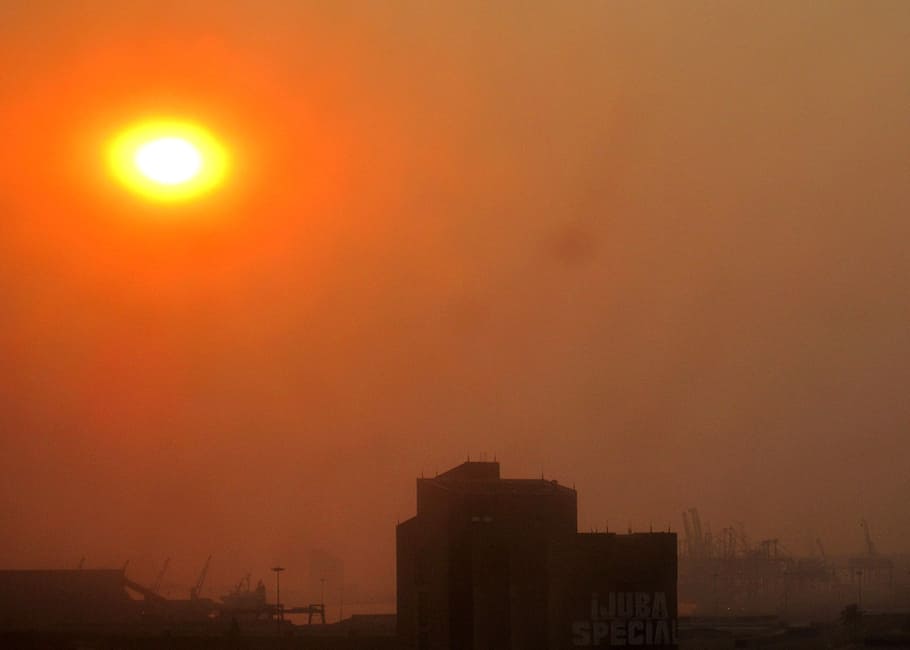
(278, 612)
(716, 601)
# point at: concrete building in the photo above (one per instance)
(493, 564)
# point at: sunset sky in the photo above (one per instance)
(655, 250)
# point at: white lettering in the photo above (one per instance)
(618, 633)
(642, 608)
(581, 633)
(661, 633)
(636, 632)
(601, 629)
(609, 611)
(625, 605)
(626, 618)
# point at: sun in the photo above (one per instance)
(168, 160)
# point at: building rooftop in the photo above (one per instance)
(482, 477)
(472, 471)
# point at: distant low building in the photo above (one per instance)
(40, 599)
(494, 564)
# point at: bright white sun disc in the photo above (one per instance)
(168, 160)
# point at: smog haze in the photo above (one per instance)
(657, 251)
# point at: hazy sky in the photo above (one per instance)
(654, 250)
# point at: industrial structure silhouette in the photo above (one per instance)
(489, 562)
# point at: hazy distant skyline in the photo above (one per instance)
(654, 250)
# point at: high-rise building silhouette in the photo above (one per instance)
(493, 564)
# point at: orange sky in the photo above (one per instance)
(655, 251)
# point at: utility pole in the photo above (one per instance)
(716, 601)
(786, 591)
(278, 609)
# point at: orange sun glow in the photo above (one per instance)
(168, 160)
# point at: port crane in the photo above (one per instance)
(156, 588)
(197, 588)
(870, 546)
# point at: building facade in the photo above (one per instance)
(494, 564)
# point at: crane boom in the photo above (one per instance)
(197, 589)
(157, 586)
(870, 547)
